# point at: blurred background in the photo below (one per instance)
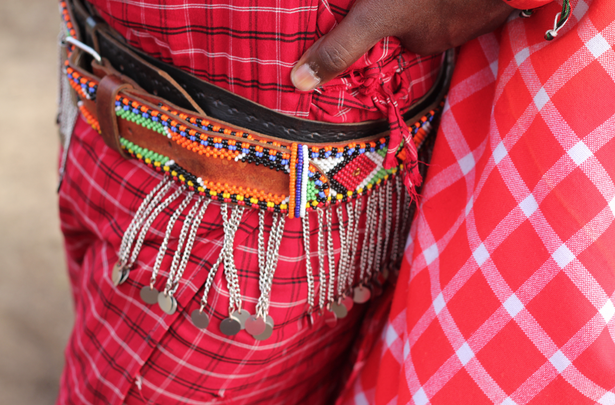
(35, 307)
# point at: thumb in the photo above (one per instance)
(333, 53)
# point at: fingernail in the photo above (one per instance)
(304, 78)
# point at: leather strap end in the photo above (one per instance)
(108, 89)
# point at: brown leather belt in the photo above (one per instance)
(219, 142)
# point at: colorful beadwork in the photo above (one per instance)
(318, 176)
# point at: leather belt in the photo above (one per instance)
(219, 143)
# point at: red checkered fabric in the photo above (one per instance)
(124, 351)
(507, 292)
(250, 47)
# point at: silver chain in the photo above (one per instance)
(148, 204)
(180, 243)
(150, 221)
(354, 245)
(396, 232)
(388, 214)
(372, 217)
(261, 239)
(342, 267)
(322, 274)
(380, 229)
(196, 222)
(230, 271)
(308, 262)
(167, 235)
(366, 232)
(330, 257)
(275, 238)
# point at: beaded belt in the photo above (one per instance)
(285, 178)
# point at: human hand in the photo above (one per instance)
(424, 27)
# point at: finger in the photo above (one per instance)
(336, 51)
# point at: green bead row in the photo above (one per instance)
(144, 153)
(311, 191)
(138, 119)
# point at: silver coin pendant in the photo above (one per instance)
(119, 274)
(242, 316)
(348, 303)
(149, 295)
(200, 319)
(167, 303)
(255, 325)
(362, 294)
(266, 334)
(230, 326)
(340, 310)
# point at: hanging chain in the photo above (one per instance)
(322, 274)
(305, 221)
(330, 257)
(196, 222)
(167, 235)
(148, 204)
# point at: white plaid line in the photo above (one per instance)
(580, 9)
(467, 163)
(541, 98)
(464, 353)
(607, 399)
(481, 254)
(431, 253)
(579, 153)
(420, 398)
(597, 46)
(563, 256)
(499, 153)
(559, 361)
(439, 303)
(513, 305)
(607, 311)
(529, 205)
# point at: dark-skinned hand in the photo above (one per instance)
(424, 27)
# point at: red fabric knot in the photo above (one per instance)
(388, 102)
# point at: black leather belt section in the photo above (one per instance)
(221, 104)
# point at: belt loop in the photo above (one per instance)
(108, 89)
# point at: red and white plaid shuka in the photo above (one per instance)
(123, 351)
(507, 292)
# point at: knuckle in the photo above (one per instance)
(334, 57)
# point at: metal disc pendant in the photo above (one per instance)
(167, 303)
(348, 303)
(330, 319)
(362, 294)
(385, 273)
(200, 319)
(340, 310)
(269, 321)
(255, 325)
(149, 295)
(230, 326)
(266, 334)
(119, 274)
(242, 316)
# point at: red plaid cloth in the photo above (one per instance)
(124, 351)
(250, 47)
(508, 289)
